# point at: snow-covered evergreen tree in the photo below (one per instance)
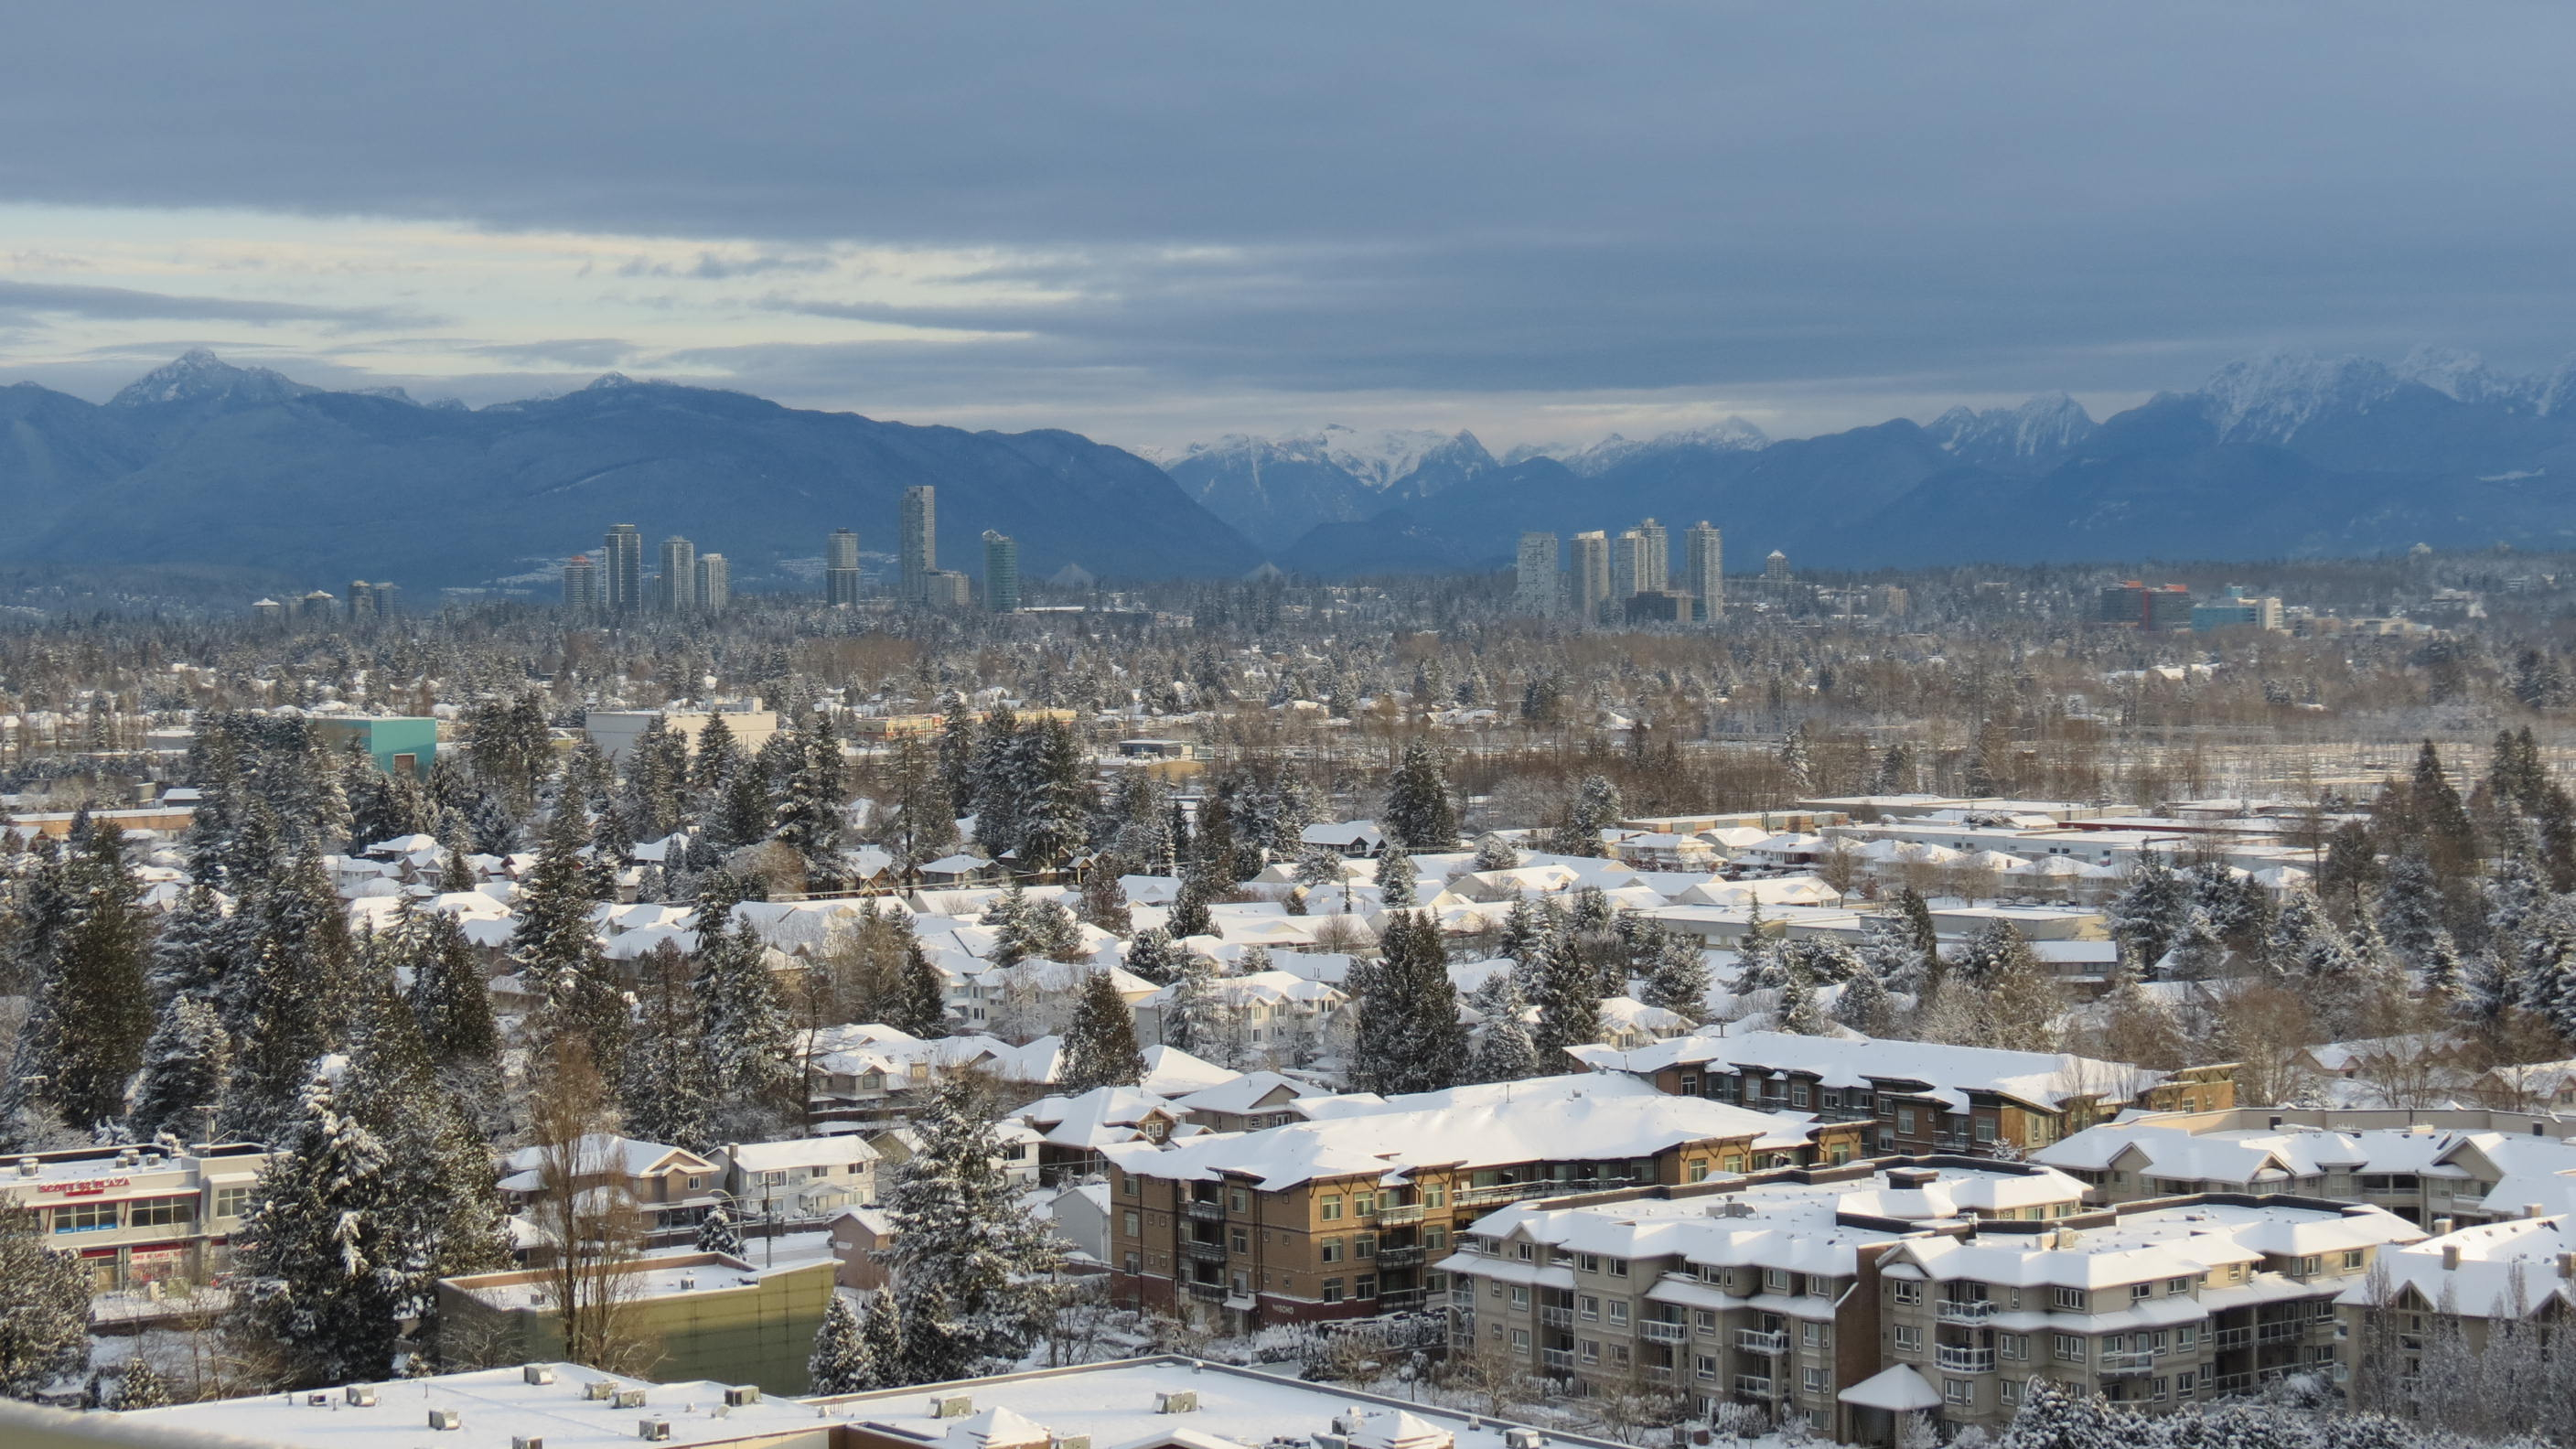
(1799, 1013)
(922, 1002)
(2151, 910)
(809, 808)
(317, 1256)
(1675, 970)
(1866, 1007)
(1100, 1044)
(449, 997)
(1192, 1017)
(1189, 913)
(1395, 878)
(672, 1088)
(185, 1067)
(1594, 807)
(1055, 813)
(746, 1033)
(717, 1233)
(882, 1330)
(1152, 955)
(1419, 814)
(1409, 1037)
(841, 1362)
(2410, 908)
(1568, 997)
(1503, 1051)
(1525, 931)
(44, 1307)
(557, 949)
(1495, 853)
(971, 1265)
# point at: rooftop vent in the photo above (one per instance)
(360, 1396)
(1184, 1402)
(527, 1441)
(1911, 1177)
(1073, 1441)
(538, 1373)
(599, 1390)
(742, 1394)
(629, 1399)
(2450, 1257)
(688, 1281)
(1523, 1439)
(655, 1430)
(953, 1406)
(446, 1419)
(29, 1167)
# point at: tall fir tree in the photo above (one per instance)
(1396, 876)
(1100, 1044)
(1568, 997)
(317, 1258)
(973, 1268)
(1503, 1051)
(673, 1084)
(44, 1307)
(922, 998)
(1192, 1017)
(558, 953)
(1419, 814)
(745, 1030)
(841, 1362)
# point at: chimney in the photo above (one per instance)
(2531, 1209)
(2441, 1226)
(2450, 1257)
(2567, 1265)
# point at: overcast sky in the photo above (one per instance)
(1156, 224)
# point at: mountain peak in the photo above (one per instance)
(2047, 424)
(199, 374)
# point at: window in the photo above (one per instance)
(1332, 1290)
(1811, 1335)
(1364, 1245)
(1588, 1306)
(1587, 1262)
(1331, 1210)
(229, 1201)
(1367, 1286)
(2180, 1285)
(1520, 1337)
(1526, 1252)
(1238, 1200)
(1240, 1239)
(1435, 1239)
(2010, 1392)
(1909, 1339)
(1819, 1286)
(1797, 1094)
(1618, 1267)
(2012, 1346)
(1985, 1129)
(2352, 1261)
(1618, 1312)
(2187, 1337)
(1619, 1353)
(1133, 1265)
(1775, 1280)
(2186, 1383)
(1707, 1320)
(1734, 1162)
(1959, 1393)
(1815, 1381)
(1905, 1120)
(1129, 1224)
(86, 1217)
(1435, 1197)
(1590, 1351)
(1705, 1365)
(2307, 1265)
(2074, 1300)
(1364, 1204)
(1907, 1290)
(1126, 1185)
(161, 1212)
(2160, 1390)
(2140, 1292)
(2068, 1347)
(1521, 1299)
(1330, 1250)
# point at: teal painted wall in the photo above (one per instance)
(386, 738)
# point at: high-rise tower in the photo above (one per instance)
(1706, 576)
(841, 567)
(622, 570)
(676, 592)
(1536, 588)
(1654, 558)
(920, 541)
(1001, 572)
(715, 582)
(1587, 575)
(580, 587)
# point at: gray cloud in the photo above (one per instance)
(1500, 199)
(125, 304)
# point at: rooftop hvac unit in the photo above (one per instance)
(599, 1390)
(446, 1419)
(360, 1396)
(527, 1441)
(955, 1406)
(1523, 1439)
(630, 1398)
(742, 1394)
(1073, 1441)
(655, 1430)
(1184, 1402)
(538, 1373)
(29, 1167)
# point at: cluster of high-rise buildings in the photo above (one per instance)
(688, 582)
(1597, 579)
(614, 582)
(365, 601)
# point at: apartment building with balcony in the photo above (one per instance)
(1916, 1097)
(2153, 1305)
(1349, 1213)
(2470, 1282)
(139, 1214)
(1759, 1291)
(2431, 1173)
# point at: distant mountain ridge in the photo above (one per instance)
(2281, 454)
(202, 461)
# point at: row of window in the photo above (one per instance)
(150, 1212)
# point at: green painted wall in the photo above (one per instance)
(384, 739)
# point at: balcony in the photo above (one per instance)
(1206, 1292)
(1657, 1373)
(2232, 1384)
(1401, 1256)
(1556, 1317)
(2227, 1338)
(1965, 1310)
(1197, 1251)
(1401, 1300)
(2289, 1332)
(1961, 1359)
(1663, 1330)
(1753, 1386)
(2127, 1361)
(1559, 1359)
(1207, 1211)
(1755, 1340)
(1396, 1215)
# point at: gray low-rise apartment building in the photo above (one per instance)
(1937, 1285)
(1761, 1291)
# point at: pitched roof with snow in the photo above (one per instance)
(2042, 1079)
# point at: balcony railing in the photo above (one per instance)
(1657, 1373)
(1208, 1210)
(1753, 1386)
(1755, 1340)
(1400, 1300)
(2232, 1384)
(1398, 1214)
(1965, 1310)
(1959, 1358)
(2280, 1332)
(2227, 1338)
(1517, 1191)
(1663, 1330)
(1403, 1255)
(2127, 1361)
(1560, 1359)
(1202, 1252)
(1210, 1292)
(1556, 1317)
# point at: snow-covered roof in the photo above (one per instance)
(2154, 1244)
(2045, 1079)
(1245, 1092)
(1547, 1119)
(2483, 1271)
(1899, 1390)
(844, 1150)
